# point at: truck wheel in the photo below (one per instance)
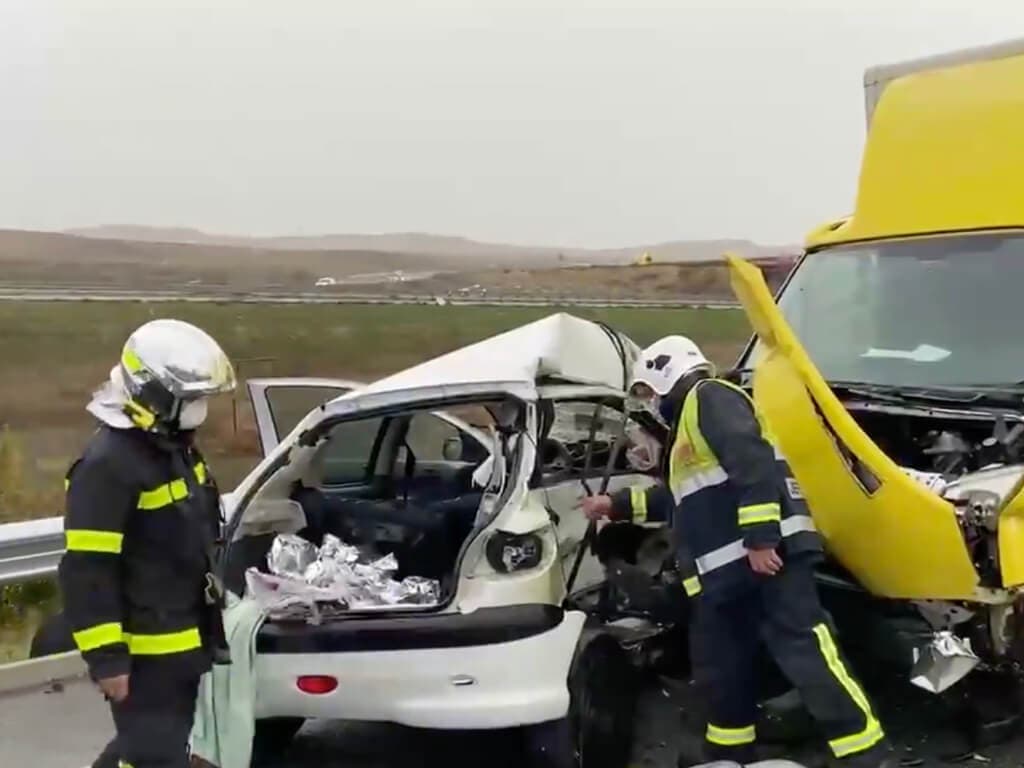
(603, 689)
(272, 736)
(52, 637)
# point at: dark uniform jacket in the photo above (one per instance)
(725, 488)
(142, 518)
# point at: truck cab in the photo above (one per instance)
(891, 364)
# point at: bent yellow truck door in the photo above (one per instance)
(897, 538)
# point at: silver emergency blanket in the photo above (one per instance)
(306, 582)
(943, 661)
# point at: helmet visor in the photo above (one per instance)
(183, 358)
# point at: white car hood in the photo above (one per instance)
(559, 346)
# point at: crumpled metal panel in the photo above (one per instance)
(896, 537)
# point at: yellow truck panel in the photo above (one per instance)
(944, 153)
(897, 538)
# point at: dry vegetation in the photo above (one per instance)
(654, 281)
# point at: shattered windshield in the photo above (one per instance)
(935, 312)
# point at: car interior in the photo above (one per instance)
(403, 483)
(399, 484)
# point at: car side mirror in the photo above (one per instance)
(452, 449)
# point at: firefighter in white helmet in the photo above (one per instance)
(142, 521)
(747, 551)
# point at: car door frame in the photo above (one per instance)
(569, 546)
(266, 427)
(259, 388)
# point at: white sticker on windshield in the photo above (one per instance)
(923, 353)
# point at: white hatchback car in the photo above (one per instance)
(529, 633)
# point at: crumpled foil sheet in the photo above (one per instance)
(313, 584)
(942, 662)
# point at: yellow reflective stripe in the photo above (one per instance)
(851, 745)
(131, 361)
(872, 733)
(67, 483)
(692, 586)
(752, 514)
(124, 764)
(158, 645)
(96, 637)
(730, 737)
(164, 495)
(94, 541)
(638, 503)
(176, 490)
(140, 416)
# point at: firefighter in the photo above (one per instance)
(748, 549)
(142, 523)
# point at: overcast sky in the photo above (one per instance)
(573, 122)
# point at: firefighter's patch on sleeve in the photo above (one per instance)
(793, 488)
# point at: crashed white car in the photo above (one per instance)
(468, 469)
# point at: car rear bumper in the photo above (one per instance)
(493, 668)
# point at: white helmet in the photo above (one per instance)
(666, 361)
(167, 365)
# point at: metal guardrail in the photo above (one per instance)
(31, 549)
(24, 675)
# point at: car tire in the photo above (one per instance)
(52, 637)
(603, 691)
(272, 736)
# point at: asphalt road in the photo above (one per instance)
(67, 728)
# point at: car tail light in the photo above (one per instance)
(507, 552)
(317, 684)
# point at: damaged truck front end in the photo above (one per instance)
(892, 370)
(904, 423)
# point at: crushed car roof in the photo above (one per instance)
(560, 346)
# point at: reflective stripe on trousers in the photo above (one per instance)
(730, 737)
(730, 553)
(872, 732)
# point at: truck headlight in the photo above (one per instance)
(508, 552)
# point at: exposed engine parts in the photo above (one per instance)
(974, 459)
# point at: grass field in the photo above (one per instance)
(52, 356)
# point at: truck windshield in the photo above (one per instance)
(936, 312)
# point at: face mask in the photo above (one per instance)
(193, 413)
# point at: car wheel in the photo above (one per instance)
(52, 637)
(603, 689)
(272, 736)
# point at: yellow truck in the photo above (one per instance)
(891, 367)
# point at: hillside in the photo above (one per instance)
(492, 254)
(40, 257)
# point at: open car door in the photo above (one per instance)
(897, 538)
(279, 404)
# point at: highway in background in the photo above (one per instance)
(203, 295)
